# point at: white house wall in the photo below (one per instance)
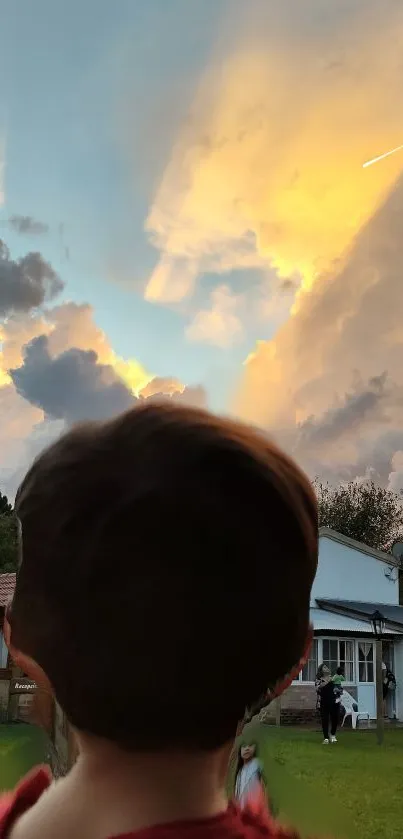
(348, 574)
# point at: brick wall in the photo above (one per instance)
(299, 697)
(298, 706)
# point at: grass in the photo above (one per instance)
(21, 748)
(353, 789)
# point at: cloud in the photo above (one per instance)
(39, 433)
(330, 383)
(15, 332)
(220, 324)
(266, 173)
(162, 385)
(27, 225)
(396, 476)
(74, 386)
(2, 166)
(58, 367)
(71, 387)
(194, 397)
(74, 326)
(64, 328)
(67, 325)
(267, 169)
(362, 405)
(26, 283)
(18, 419)
(172, 280)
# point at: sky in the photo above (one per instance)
(184, 210)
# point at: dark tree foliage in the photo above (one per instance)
(5, 506)
(365, 512)
(8, 536)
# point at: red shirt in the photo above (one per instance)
(233, 824)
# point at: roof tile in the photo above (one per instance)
(7, 586)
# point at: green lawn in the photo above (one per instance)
(21, 748)
(352, 789)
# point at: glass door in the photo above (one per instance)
(366, 690)
(388, 656)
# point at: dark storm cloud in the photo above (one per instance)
(25, 283)
(361, 405)
(71, 387)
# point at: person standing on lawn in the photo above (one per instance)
(388, 684)
(329, 703)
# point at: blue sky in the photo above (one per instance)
(80, 83)
(240, 129)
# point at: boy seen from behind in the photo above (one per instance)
(143, 541)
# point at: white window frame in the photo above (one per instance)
(342, 638)
(299, 680)
(357, 655)
(319, 646)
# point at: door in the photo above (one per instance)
(388, 656)
(366, 689)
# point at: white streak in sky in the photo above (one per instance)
(381, 157)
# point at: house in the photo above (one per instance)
(7, 585)
(351, 583)
(22, 700)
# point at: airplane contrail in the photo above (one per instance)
(381, 157)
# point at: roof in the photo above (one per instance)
(7, 586)
(359, 546)
(362, 610)
(324, 621)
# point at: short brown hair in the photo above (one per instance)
(168, 558)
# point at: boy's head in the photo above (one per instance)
(167, 562)
(340, 671)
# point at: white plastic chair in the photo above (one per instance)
(350, 710)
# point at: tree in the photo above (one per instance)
(8, 537)
(5, 507)
(365, 512)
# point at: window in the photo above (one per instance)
(346, 659)
(308, 673)
(339, 653)
(365, 661)
(330, 653)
